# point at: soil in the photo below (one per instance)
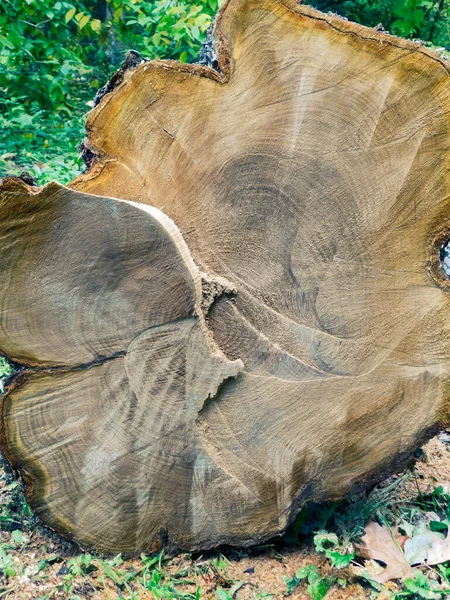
(260, 570)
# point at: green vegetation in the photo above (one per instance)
(318, 586)
(54, 56)
(427, 20)
(5, 371)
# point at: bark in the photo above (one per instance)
(293, 347)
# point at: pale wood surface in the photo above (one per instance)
(312, 176)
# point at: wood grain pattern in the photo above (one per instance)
(82, 277)
(103, 311)
(311, 176)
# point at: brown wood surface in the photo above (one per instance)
(102, 309)
(309, 178)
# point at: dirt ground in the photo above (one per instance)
(42, 561)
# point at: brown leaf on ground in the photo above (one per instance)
(379, 545)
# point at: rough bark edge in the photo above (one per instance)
(132, 60)
(16, 182)
(373, 477)
(208, 55)
(216, 63)
(25, 177)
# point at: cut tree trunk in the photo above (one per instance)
(294, 347)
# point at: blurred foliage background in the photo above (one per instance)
(55, 55)
(427, 20)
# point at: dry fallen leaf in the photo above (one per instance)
(439, 551)
(416, 548)
(379, 545)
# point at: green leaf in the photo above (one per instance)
(222, 594)
(83, 21)
(400, 8)
(338, 560)
(5, 42)
(319, 589)
(412, 586)
(291, 584)
(310, 572)
(117, 561)
(416, 17)
(176, 10)
(6, 563)
(195, 32)
(439, 525)
(144, 20)
(399, 26)
(96, 24)
(324, 540)
(111, 574)
(235, 587)
(150, 561)
(17, 537)
(69, 14)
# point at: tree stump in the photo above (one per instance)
(280, 336)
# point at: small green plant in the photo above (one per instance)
(347, 518)
(5, 370)
(422, 586)
(329, 544)
(14, 510)
(222, 594)
(317, 587)
(435, 504)
(6, 563)
(17, 537)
